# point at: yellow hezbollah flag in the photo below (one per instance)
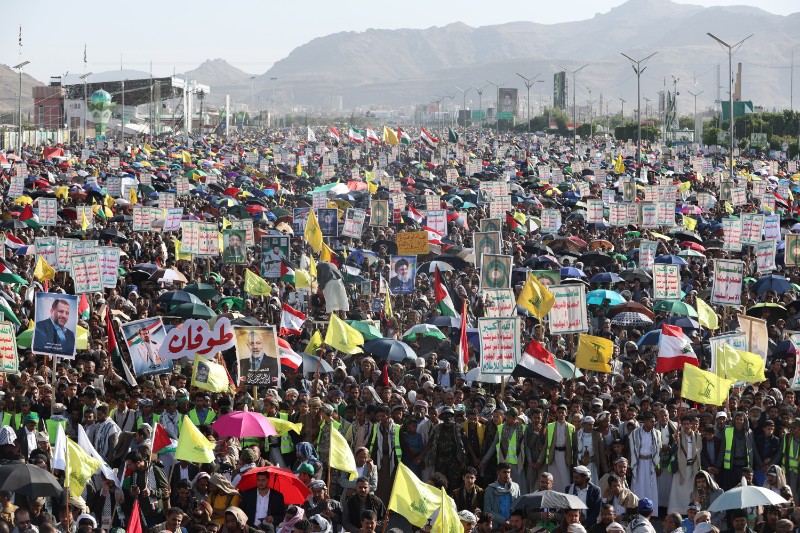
(132, 195)
(187, 157)
(312, 266)
(181, 256)
(313, 232)
(689, 223)
(387, 306)
(619, 166)
(255, 284)
(210, 376)
(284, 426)
(390, 137)
(326, 254)
(84, 222)
(341, 456)
(43, 271)
(594, 353)
(740, 365)
(302, 279)
(535, 297)
(342, 336)
(412, 498)
(225, 223)
(447, 520)
(314, 344)
(704, 387)
(685, 186)
(369, 175)
(80, 467)
(706, 316)
(62, 192)
(193, 446)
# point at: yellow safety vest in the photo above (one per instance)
(52, 429)
(6, 419)
(156, 420)
(511, 457)
(790, 459)
(210, 417)
(397, 449)
(726, 459)
(551, 431)
(287, 445)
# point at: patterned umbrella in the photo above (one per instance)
(629, 318)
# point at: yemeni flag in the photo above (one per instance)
(404, 137)
(333, 133)
(781, 201)
(415, 215)
(427, 138)
(443, 301)
(113, 351)
(14, 242)
(372, 136)
(287, 272)
(674, 350)
(537, 362)
(83, 308)
(161, 441)
(292, 321)
(288, 356)
(355, 136)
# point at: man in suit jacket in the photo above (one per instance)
(26, 435)
(259, 515)
(711, 450)
(51, 334)
(588, 492)
(258, 359)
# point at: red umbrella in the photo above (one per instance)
(693, 245)
(255, 208)
(232, 191)
(243, 424)
(282, 480)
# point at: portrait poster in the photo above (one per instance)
(496, 271)
(234, 249)
(569, 313)
(56, 324)
(9, 361)
(499, 302)
(379, 213)
(499, 338)
(402, 274)
(274, 249)
(144, 339)
(491, 224)
(486, 242)
(792, 251)
(299, 219)
(755, 329)
(547, 277)
(257, 354)
(727, 284)
(247, 227)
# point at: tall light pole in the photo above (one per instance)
(497, 107)
(201, 95)
(731, 50)
(19, 106)
(622, 112)
(638, 69)
(528, 83)
(695, 111)
(541, 107)
(480, 105)
(85, 104)
(574, 108)
(464, 108)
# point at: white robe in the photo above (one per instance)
(559, 468)
(645, 480)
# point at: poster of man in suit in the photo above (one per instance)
(257, 353)
(144, 339)
(273, 251)
(328, 222)
(56, 324)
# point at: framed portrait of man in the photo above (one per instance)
(257, 353)
(402, 273)
(56, 324)
(328, 222)
(144, 339)
(234, 248)
(273, 250)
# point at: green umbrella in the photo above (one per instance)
(204, 291)
(280, 212)
(9, 277)
(567, 369)
(675, 307)
(146, 189)
(25, 339)
(190, 310)
(232, 301)
(423, 330)
(633, 234)
(368, 330)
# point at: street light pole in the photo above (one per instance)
(19, 105)
(638, 69)
(622, 112)
(528, 83)
(464, 109)
(731, 50)
(574, 118)
(497, 107)
(695, 111)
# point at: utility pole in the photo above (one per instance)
(85, 104)
(464, 109)
(731, 50)
(695, 110)
(273, 97)
(574, 118)
(497, 107)
(480, 105)
(528, 83)
(638, 69)
(622, 112)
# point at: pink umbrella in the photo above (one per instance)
(243, 424)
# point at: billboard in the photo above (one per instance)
(506, 103)
(560, 90)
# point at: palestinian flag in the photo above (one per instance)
(161, 441)
(514, 224)
(288, 356)
(113, 351)
(7, 275)
(443, 301)
(333, 133)
(292, 321)
(29, 218)
(403, 136)
(372, 136)
(355, 136)
(83, 308)
(287, 272)
(452, 136)
(427, 138)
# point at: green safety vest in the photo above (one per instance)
(210, 417)
(287, 445)
(726, 459)
(336, 425)
(52, 429)
(397, 450)
(6, 419)
(511, 458)
(790, 459)
(551, 431)
(156, 420)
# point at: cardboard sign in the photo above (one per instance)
(109, 265)
(195, 337)
(412, 243)
(728, 278)
(86, 274)
(666, 282)
(48, 211)
(499, 345)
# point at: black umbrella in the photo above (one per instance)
(391, 247)
(28, 480)
(633, 274)
(179, 297)
(121, 218)
(596, 258)
(245, 321)
(14, 223)
(686, 235)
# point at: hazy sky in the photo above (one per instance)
(178, 35)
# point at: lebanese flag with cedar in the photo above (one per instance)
(674, 350)
(292, 321)
(288, 356)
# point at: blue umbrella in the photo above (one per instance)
(358, 256)
(599, 297)
(605, 277)
(772, 282)
(390, 349)
(572, 272)
(683, 322)
(670, 260)
(444, 321)
(650, 338)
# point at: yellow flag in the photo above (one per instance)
(313, 232)
(314, 344)
(255, 285)
(181, 256)
(689, 223)
(299, 170)
(62, 192)
(284, 426)
(594, 353)
(80, 467)
(728, 208)
(535, 297)
(706, 316)
(132, 195)
(147, 149)
(312, 266)
(43, 271)
(108, 201)
(447, 520)
(193, 446)
(369, 175)
(685, 186)
(225, 223)
(187, 157)
(210, 376)
(326, 254)
(412, 498)
(343, 336)
(84, 222)
(390, 137)
(302, 279)
(341, 456)
(387, 306)
(740, 365)
(704, 387)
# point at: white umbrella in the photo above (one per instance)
(475, 375)
(742, 497)
(168, 275)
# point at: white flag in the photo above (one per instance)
(312, 137)
(60, 452)
(86, 444)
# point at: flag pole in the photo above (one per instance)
(386, 520)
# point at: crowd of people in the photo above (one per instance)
(624, 442)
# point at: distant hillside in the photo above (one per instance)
(9, 90)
